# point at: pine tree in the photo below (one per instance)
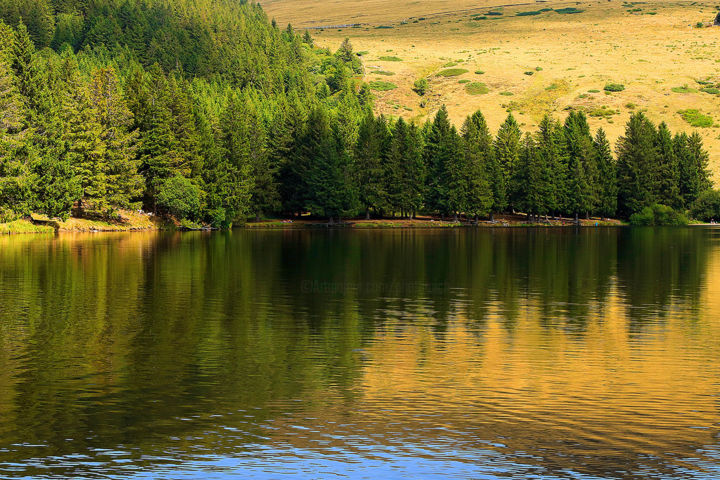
(636, 166)
(406, 173)
(442, 149)
(667, 185)
(84, 148)
(238, 143)
(124, 183)
(295, 166)
(581, 181)
(507, 155)
(607, 175)
(328, 179)
(694, 177)
(477, 150)
(373, 136)
(548, 170)
(265, 197)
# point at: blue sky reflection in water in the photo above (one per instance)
(518, 353)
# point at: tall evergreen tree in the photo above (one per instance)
(373, 138)
(548, 171)
(84, 147)
(581, 180)
(667, 190)
(124, 183)
(330, 191)
(607, 175)
(636, 166)
(507, 147)
(477, 144)
(694, 177)
(441, 152)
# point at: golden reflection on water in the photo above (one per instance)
(590, 352)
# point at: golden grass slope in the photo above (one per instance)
(531, 65)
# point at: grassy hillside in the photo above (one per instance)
(534, 58)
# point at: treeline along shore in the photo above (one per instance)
(208, 113)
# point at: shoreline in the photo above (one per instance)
(137, 222)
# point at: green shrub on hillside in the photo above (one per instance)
(452, 72)
(421, 86)
(697, 119)
(382, 86)
(477, 88)
(614, 87)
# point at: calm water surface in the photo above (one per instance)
(477, 354)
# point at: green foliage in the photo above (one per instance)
(614, 87)
(391, 59)
(382, 86)
(684, 89)
(529, 13)
(711, 90)
(696, 118)
(180, 197)
(658, 216)
(477, 88)
(707, 206)
(421, 86)
(452, 72)
(568, 10)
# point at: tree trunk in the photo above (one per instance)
(367, 214)
(331, 221)
(577, 219)
(257, 217)
(492, 216)
(455, 217)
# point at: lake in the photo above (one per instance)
(464, 353)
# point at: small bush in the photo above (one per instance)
(477, 88)
(452, 72)
(479, 72)
(568, 11)
(391, 59)
(711, 90)
(464, 80)
(684, 89)
(180, 197)
(382, 86)
(494, 13)
(384, 73)
(602, 112)
(421, 86)
(594, 91)
(528, 14)
(614, 87)
(697, 119)
(658, 216)
(507, 94)
(529, 73)
(707, 206)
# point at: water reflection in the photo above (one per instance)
(452, 354)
